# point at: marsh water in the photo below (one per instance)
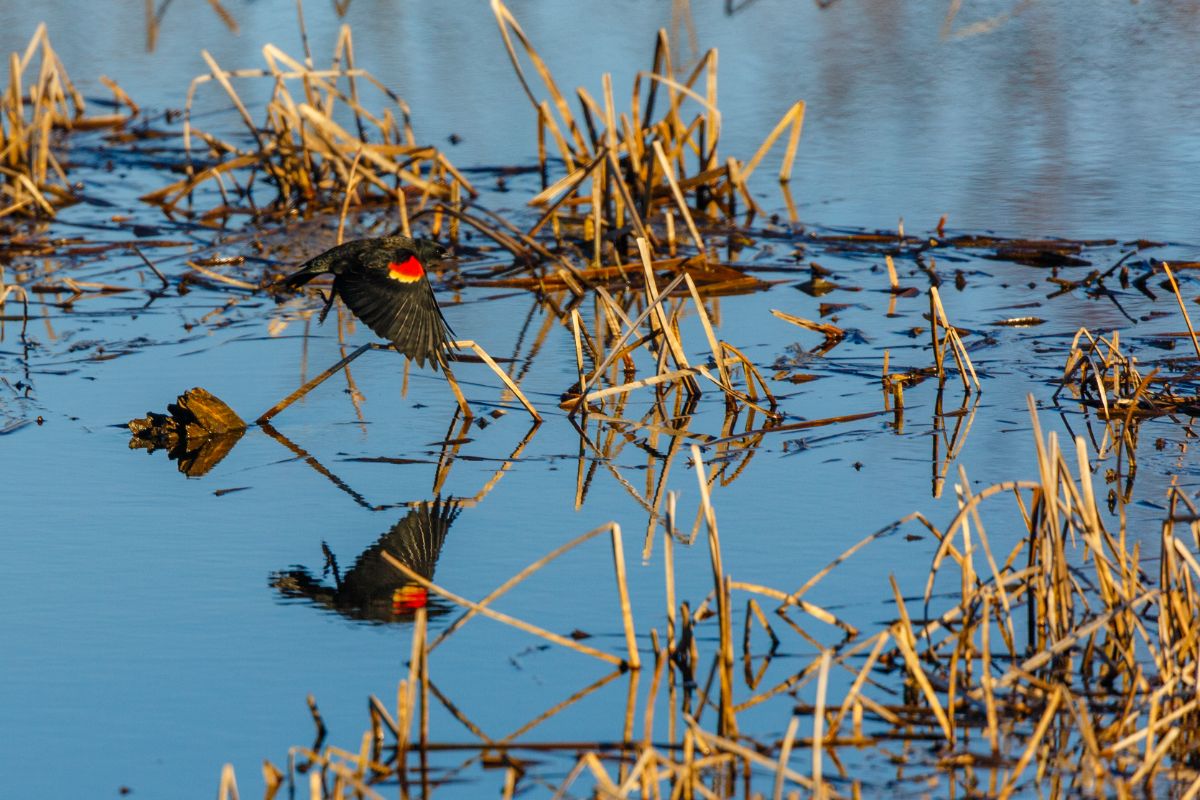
(158, 626)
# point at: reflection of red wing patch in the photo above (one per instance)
(409, 598)
(406, 271)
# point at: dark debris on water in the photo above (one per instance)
(198, 430)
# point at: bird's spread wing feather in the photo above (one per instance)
(406, 314)
(417, 539)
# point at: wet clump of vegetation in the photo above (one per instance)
(300, 150)
(197, 431)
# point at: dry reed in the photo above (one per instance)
(39, 104)
(1066, 657)
(319, 145)
(631, 171)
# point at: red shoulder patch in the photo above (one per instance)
(407, 271)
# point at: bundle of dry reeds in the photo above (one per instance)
(644, 171)
(38, 102)
(319, 146)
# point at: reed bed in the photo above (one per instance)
(320, 147)
(651, 170)
(1065, 665)
(624, 227)
(39, 104)
(634, 199)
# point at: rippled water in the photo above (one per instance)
(147, 640)
(1061, 122)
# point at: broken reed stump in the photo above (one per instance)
(198, 430)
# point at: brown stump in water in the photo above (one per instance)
(198, 431)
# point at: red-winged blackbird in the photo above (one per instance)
(383, 282)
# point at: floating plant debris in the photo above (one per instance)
(1020, 322)
(198, 431)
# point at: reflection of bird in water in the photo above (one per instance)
(373, 589)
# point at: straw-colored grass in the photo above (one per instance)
(38, 104)
(639, 171)
(319, 146)
(1063, 663)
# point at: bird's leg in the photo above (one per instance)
(325, 309)
(314, 383)
(465, 344)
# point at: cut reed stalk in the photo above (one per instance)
(499, 617)
(634, 661)
(1183, 308)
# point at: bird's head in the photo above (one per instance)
(429, 251)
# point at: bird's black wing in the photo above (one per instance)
(405, 313)
(417, 539)
(372, 588)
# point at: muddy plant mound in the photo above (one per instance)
(198, 431)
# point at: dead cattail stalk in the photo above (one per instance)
(669, 174)
(902, 633)
(893, 280)
(951, 341)
(496, 615)
(1179, 298)
(634, 660)
(785, 752)
(228, 789)
(819, 723)
(1034, 742)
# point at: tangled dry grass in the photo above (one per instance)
(651, 171)
(38, 106)
(320, 146)
(1068, 662)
